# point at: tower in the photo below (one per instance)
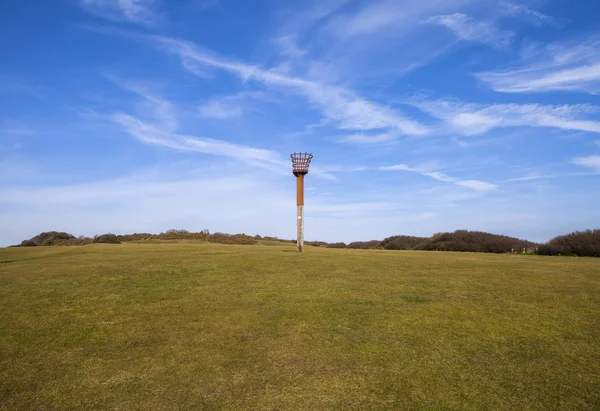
(300, 163)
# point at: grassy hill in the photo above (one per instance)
(208, 326)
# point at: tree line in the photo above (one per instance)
(579, 243)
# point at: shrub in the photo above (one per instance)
(365, 245)
(580, 243)
(47, 238)
(107, 239)
(316, 243)
(240, 239)
(463, 240)
(402, 242)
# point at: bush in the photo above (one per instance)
(365, 245)
(463, 240)
(107, 239)
(47, 238)
(316, 243)
(402, 242)
(240, 239)
(580, 243)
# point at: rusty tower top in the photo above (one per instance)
(301, 162)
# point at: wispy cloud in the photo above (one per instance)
(475, 185)
(363, 139)
(134, 11)
(338, 104)
(469, 29)
(161, 128)
(385, 15)
(149, 133)
(288, 47)
(563, 66)
(524, 12)
(473, 119)
(592, 162)
(220, 109)
(533, 177)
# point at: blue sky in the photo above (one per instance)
(423, 116)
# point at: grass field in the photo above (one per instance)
(204, 326)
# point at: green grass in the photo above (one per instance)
(204, 326)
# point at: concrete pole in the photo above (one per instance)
(300, 203)
(300, 241)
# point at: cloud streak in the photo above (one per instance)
(523, 12)
(592, 162)
(476, 119)
(469, 29)
(338, 105)
(162, 130)
(151, 134)
(220, 110)
(366, 139)
(133, 11)
(475, 185)
(565, 66)
(389, 15)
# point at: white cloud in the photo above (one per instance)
(474, 119)
(565, 66)
(386, 15)
(475, 185)
(362, 139)
(535, 176)
(162, 111)
(397, 167)
(134, 11)
(524, 12)
(337, 104)
(220, 109)
(544, 79)
(162, 129)
(289, 48)
(149, 133)
(469, 29)
(592, 162)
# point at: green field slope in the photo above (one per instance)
(204, 326)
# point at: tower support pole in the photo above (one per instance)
(300, 203)
(300, 241)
